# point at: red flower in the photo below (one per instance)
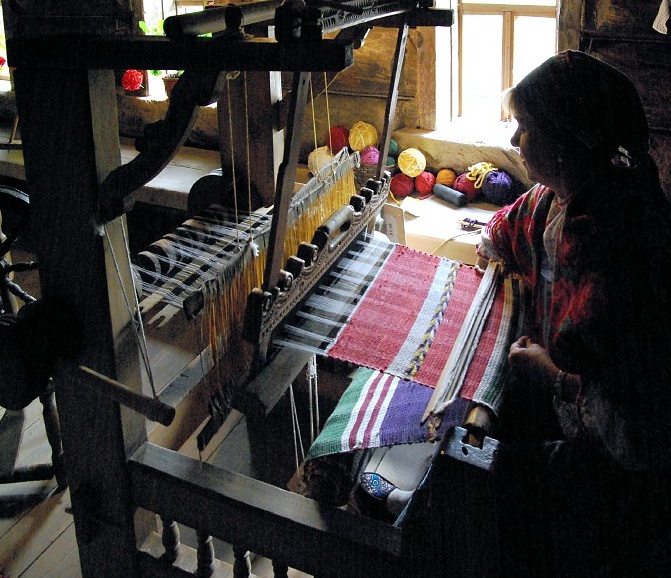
(3, 61)
(131, 80)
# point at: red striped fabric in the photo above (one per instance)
(386, 315)
(465, 287)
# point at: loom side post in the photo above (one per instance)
(392, 98)
(286, 179)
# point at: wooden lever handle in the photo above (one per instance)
(151, 408)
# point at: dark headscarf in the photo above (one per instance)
(577, 98)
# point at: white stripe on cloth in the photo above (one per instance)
(377, 394)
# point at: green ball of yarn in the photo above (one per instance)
(393, 148)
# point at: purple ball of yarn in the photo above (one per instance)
(370, 155)
(497, 188)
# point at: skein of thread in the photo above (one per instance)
(449, 195)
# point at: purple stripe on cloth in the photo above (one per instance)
(402, 422)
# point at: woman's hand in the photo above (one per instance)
(532, 362)
(481, 265)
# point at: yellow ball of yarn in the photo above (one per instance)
(411, 162)
(319, 158)
(446, 177)
(362, 135)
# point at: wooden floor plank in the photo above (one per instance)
(59, 560)
(34, 533)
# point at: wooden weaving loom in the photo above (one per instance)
(79, 191)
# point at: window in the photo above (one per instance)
(491, 47)
(155, 12)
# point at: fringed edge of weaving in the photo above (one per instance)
(452, 377)
(490, 391)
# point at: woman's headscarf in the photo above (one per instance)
(578, 98)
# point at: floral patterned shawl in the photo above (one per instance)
(610, 305)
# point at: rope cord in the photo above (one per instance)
(232, 76)
(136, 318)
(328, 110)
(478, 172)
(249, 168)
(298, 439)
(314, 398)
(314, 120)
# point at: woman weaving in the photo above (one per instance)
(586, 424)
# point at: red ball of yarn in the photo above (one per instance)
(338, 138)
(402, 185)
(464, 185)
(131, 80)
(370, 155)
(424, 182)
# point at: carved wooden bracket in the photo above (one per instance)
(159, 144)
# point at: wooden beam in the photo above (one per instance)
(198, 54)
(265, 519)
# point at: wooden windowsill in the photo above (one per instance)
(168, 189)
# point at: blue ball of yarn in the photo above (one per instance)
(497, 188)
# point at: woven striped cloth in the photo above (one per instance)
(398, 310)
(381, 408)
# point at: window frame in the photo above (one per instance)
(509, 12)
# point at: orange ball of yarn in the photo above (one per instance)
(401, 185)
(464, 185)
(424, 182)
(446, 177)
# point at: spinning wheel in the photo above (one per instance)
(15, 208)
(18, 386)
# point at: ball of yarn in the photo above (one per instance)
(411, 162)
(446, 177)
(391, 161)
(424, 182)
(319, 158)
(401, 185)
(393, 148)
(362, 135)
(338, 138)
(497, 188)
(464, 185)
(132, 80)
(370, 156)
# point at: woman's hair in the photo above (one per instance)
(577, 99)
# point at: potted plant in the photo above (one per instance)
(169, 81)
(169, 77)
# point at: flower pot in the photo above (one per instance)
(169, 84)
